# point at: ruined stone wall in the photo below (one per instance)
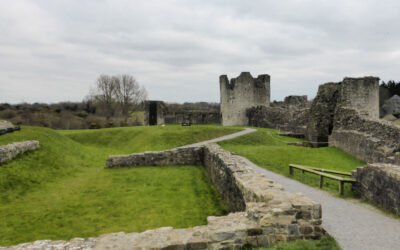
(361, 94)
(177, 156)
(299, 101)
(10, 151)
(286, 119)
(380, 184)
(262, 212)
(5, 125)
(370, 140)
(242, 93)
(291, 115)
(150, 115)
(195, 117)
(320, 122)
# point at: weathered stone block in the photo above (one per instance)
(10, 151)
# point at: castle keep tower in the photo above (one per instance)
(361, 94)
(240, 94)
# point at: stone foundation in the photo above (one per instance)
(380, 184)
(10, 151)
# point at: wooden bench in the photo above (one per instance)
(324, 173)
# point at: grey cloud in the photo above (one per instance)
(54, 50)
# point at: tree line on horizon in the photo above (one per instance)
(392, 86)
(113, 101)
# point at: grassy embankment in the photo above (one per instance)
(62, 191)
(268, 150)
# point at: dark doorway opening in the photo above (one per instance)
(153, 113)
(203, 118)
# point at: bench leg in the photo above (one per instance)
(321, 181)
(302, 175)
(290, 170)
(341, 185)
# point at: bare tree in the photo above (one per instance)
(104, 94)
(128, 93)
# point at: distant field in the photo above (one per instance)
(268, 150)
(62, 190)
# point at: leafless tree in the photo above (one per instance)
(128, 93)
(104, 94)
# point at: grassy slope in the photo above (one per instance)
(267, 149)
(140, 139)
(62, 191)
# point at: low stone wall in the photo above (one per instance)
(370, 140)
(177, 156)
(262, 212)
(5, 124)
(10, 151)
(7, 127)
(380, 184)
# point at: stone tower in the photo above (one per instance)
(361, 94)
(242, 93)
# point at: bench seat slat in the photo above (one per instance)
(308, 169)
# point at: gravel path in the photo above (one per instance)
(355, 225)
(223, 138)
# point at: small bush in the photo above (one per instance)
(94, 125)
(8, 114)
(110, 124)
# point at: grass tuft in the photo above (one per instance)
(325, 243)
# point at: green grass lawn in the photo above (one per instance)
(325, 243)
(268, 150)
(62, 190)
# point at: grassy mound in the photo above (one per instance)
(268, 150)
(62, 191)
(140, 139)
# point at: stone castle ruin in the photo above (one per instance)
(240, 94)
(360, 94)
(345, 115)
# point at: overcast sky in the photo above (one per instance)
(53, 51)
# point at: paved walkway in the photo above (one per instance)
(355, 225)
(223, 138)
